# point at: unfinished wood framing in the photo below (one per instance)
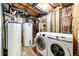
(67, 20)
(57, 19)
(54, 5)
(27, 7)
(75, 28)
(54, 21)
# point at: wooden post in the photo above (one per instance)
(75, 28)
(54, 21)
(57, 15)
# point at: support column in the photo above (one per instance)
(75, 28)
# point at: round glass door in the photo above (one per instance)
(40, 43)
(57, 50)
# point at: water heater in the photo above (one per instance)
(27, 34)
(14, 39)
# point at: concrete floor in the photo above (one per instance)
(28, 52)
(31, 51)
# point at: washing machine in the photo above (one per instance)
(60, 44)
(41, 43)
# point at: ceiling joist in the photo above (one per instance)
(28, 8)
(54, 5)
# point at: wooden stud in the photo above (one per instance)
(75, 28)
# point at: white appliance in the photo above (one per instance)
(14, 39)
(60, 44)
(27, 34)
(41, 42)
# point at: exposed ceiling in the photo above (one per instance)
(27, 7)
(54, 5)
(33, 11)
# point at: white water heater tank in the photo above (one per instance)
(27, 34)
(14, 39)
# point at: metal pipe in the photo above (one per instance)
(10, 15)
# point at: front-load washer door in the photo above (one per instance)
(40, 43)
(58, 49)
